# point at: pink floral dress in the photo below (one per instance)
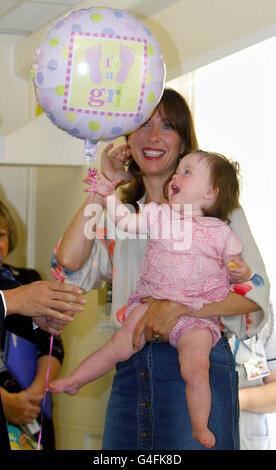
(192, 273)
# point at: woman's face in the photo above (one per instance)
(4, 241)
(155, 146)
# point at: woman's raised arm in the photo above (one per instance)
(77, 242)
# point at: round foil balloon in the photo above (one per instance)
(98, 74)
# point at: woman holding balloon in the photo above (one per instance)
(148, 394)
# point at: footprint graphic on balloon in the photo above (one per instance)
(127, 56)
(93, 57)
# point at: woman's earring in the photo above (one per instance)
(181, 155)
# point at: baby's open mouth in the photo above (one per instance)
(175, 189)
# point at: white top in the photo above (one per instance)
(119, 262)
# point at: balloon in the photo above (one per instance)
(98, 74)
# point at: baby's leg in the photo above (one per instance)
(118, 348)
(194, 348)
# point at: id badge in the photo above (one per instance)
(256, 367)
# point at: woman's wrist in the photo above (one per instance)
(4, 394)
(98, 199)
(37, 388)
(8, 400)
(179, 309)
(109, 175)
(11, 301)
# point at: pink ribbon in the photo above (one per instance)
(45, 393)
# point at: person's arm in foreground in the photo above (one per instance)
(23, 407)
(260, 399)
(50, 304)
(20, 408)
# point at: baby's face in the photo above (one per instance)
(190, 183)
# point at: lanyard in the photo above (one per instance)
(251, 348)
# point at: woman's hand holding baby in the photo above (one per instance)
(160, 317)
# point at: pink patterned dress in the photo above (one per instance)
(186, 262)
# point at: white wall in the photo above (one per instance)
(15, 195)
(14, 91)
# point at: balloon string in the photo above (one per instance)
(45, 393)
(91, 174)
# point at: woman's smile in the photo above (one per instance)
(153, 153)
(155, 146)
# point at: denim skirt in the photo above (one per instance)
(147, 409)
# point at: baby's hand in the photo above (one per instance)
(238, 271)
(102, 186)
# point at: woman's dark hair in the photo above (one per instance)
(7, 221)
(174, 107)
(224, 176)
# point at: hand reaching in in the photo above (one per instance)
(50, 304)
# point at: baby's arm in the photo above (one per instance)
(238, 271)
(100, 184)
(117, 211)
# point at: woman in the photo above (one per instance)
(21, 407)
(148, 396)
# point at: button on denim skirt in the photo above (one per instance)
(147, 409)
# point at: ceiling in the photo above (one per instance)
(22, 17)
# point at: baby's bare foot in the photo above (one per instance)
(63, 385)
(205, 437)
